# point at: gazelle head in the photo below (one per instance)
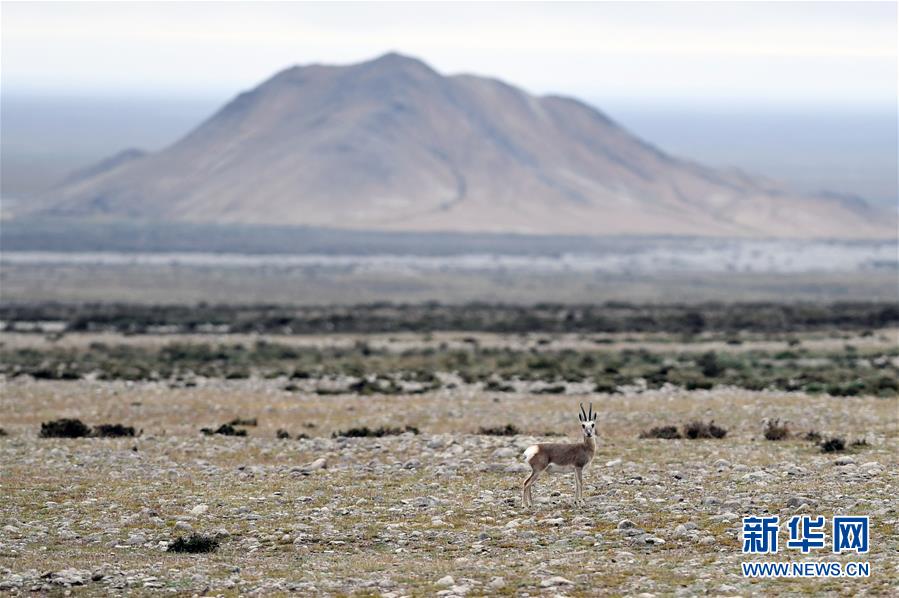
(588, 421)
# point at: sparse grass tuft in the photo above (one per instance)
(65, 428)
(813, 436)
(238, 421)
(507, 430)
(366, 432)
(224, 430)
(554, 389)
(196, 543)
(113, 431)
(664, 432)
(833, 445)
(775, 431)
(699, 429)
(497, 386)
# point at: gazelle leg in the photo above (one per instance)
(527, 493)
(526, 489)
(579, 484)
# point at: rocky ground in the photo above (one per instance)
(437, 513)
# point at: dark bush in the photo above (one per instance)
(833, 445)
(495, 386)
(555, 389)
(709, 364)
(664, 432)
(366, 432)
(3, 432)
(699, 429)
(113, 431)
(775, 431)
(64, 428)
(283, 434)
(196, 543)
(224, 430)
(507, 430)
(605, 387)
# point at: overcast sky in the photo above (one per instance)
(798, 53)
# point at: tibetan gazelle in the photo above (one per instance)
(568, 456)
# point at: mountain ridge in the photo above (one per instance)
(391, 144)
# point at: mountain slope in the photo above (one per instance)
(390, 144)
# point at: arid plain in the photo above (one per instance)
(432, 504)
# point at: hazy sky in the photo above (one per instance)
(797, 53)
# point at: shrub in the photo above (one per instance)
(605, 387)
(194, 544)
(224, 430)
(699, 429)
(366, 432)
(496, 386)
(833, 445)
(237, 421)
(113, 431)
(555, 389)
(64, 428)
(664, 432)
(859, 443)
(709, 364)
(775, 431)
(283, 434)
(813, 436)
(507, 430)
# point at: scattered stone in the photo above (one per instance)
(318, 464)
(554, 581)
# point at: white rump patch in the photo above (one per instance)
(530, 452)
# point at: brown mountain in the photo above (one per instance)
(391, 144)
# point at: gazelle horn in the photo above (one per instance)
(583, 414)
